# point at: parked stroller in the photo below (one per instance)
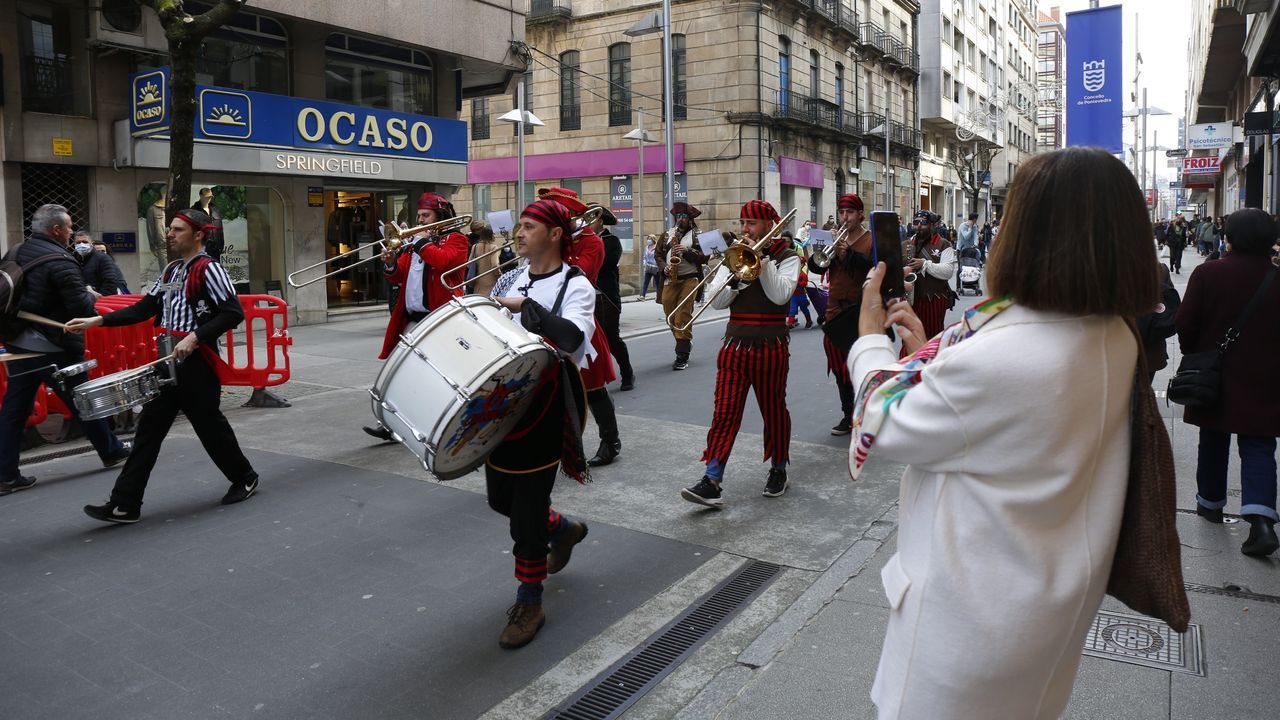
(970, 271)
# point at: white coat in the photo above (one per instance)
(1017, 450)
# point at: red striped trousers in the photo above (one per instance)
(933, 314)
(740, 368)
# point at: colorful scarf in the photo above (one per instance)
(883, 389)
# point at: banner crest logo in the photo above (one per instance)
(1095, 75)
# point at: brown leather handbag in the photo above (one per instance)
(1147, 572)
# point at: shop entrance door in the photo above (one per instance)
(351, 221)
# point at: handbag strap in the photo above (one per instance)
(1233, 332)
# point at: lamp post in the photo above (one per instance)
(520, 117)
(637, 221)
(660, 21)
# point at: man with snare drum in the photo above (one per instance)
(194, 299)
(551, 298)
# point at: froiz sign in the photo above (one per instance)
(1200, 165)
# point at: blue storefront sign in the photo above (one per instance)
(1095, 74)
(243, 117)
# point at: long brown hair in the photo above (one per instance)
(1076, 238)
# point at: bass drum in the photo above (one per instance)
(458, 383)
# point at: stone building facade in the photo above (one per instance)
(1051, 58)
(781, 100)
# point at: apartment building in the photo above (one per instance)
(1021, 39)
(1051, 56)
(316, 122)
(790, 101)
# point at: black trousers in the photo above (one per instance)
(197, 396)
(609, 317)
(525, 499)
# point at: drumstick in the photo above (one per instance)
(24, 315)
(158, 361)
(6, 357)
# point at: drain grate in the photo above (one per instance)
(626, 681)
(1232, 591)
(1145, 641)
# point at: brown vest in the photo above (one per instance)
(754, 319)
(929, 287)
(844, 280)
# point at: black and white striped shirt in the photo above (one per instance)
(193, 296)
(208, 287)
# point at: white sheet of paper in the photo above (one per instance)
(502, 221)
(819, 237)
(712, 241)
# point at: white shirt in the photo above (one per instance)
(413, 285)
(944, 268)
(578, 305)
(778, 279)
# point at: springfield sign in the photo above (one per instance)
(262, 120)
(1201, 165)
(1209, 136)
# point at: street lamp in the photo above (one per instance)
(654, 22)
(520, 117)
(637, 221)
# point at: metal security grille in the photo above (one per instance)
(618, 688)
(1232, 591)
(65, 185)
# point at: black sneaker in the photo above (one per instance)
(776, 484)
(844, 427)
(239, 492)
(127, 447)
(680, 364)
(13, 486)
(112, 513)
(1213, 515)
(704, 493)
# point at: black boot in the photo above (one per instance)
(1213, 515)
(628, 382)
(602, 408)
(379, 432)
(1262, 537)
(607, 453)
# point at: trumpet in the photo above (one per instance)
(745, 262)
(822, 256)
(576, 225)
(393, 240)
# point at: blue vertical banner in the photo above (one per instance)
(1095, 78)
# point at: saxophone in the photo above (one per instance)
(674, 262)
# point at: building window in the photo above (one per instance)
(527, 77)
(815, 75)
(619, 84)
(51, 65)
(481, 200)
(570, 97)
(374, 74)
(839, 90)
(480, 119)
(679, 78)
(250, 52)
(784, 73)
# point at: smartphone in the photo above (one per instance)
(887, 248)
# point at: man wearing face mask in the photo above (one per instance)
(101, 273)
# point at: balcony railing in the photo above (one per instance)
(570, 117)
(541, 11)
(810, 111)
(871, 123)
(480, 127)
(619, 113)
(848, 21)
(829, 9)
(850, 124)
(873, 38)
(904, 135)
(46, 84)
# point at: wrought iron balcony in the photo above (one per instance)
(828, 9)
(905, 135)
(808, 110)
(570, 117)
(850, 124)
(46, 84)
(874, 39)
(548, 11)
(480, 127)
(619, 113)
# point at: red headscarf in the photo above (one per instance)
(759, 210)
(552, 214)
(849, 201)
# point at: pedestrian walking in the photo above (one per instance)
(1176, 240)
(100, 272)
(54, 288)
(1156, 327)
(650, 267)
(200, 312)
(800, 301)
(1249, 407)
(1005, 539)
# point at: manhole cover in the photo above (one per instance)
(1144, 641)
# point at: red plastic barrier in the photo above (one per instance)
(130, 346)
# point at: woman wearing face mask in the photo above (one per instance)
(101, 273)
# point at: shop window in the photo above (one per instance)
(374, 74)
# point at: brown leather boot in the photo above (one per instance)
(560, 552)
(523, 624)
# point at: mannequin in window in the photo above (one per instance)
(214, 243)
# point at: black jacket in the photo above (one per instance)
(102, 274)
(54, 289)
(1155, 328)
(607, 282)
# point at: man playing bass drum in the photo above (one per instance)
(419, 270)
(553, 299)
(850, 263)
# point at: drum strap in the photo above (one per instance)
(574, 271)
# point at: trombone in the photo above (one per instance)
(744, 261)
(393, 240)
(577, 225)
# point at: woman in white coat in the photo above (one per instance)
(1014, 426)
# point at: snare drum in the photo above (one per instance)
(458, 383)
(115, 393)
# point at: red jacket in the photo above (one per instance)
(587, 254)
(438, 256)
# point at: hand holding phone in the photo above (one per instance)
(886, 247)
